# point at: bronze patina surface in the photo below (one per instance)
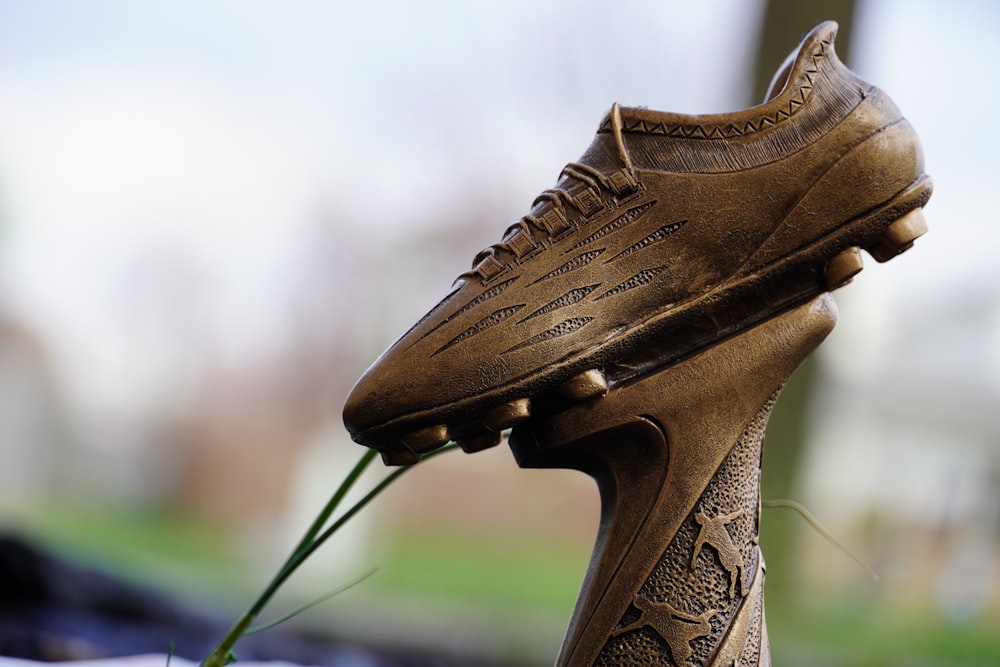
(638, 324)
(677, 577)
(671, 233)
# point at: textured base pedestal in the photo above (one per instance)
(677, 576)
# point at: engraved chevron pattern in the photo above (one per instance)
(644, 277)
(568, 299)
(564, 328)
(494, 318)
(657, 236)
(577, 262)
(625, 218)
(491, 293)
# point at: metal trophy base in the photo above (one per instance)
(676, 577)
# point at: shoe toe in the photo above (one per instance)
(404, 399)
(382, 393)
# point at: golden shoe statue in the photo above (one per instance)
(671, 233)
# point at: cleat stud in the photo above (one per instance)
(899, 236)
(426, 439)
(508, 415)
(842, 268)
(399, 457)
(585, 386)
(479, 442)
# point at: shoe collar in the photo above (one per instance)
(789, 91)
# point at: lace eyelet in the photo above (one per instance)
(489, 268)
(588, 202)
(521, 245)
(623, 183)
(555, 223)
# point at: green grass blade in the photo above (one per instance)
(308, 605)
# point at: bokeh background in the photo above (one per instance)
(214, 214)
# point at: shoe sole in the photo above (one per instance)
(824, 265)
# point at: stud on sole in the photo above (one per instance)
(399, 457)
(508, 415)
(426, 439)
(899, 236)
(842, 268)
(585, 386)
(479, 442)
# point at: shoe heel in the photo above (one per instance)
(899, 236)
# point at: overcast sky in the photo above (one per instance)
(211, 135)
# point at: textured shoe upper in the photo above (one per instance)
(662, 212)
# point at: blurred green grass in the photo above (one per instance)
(850, 634)
(499, 574)
(482, 569)
(167, 551)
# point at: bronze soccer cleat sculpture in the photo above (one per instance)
(672, 233)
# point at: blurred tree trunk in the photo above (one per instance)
(785, 23)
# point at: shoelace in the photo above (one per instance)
(526, 236)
